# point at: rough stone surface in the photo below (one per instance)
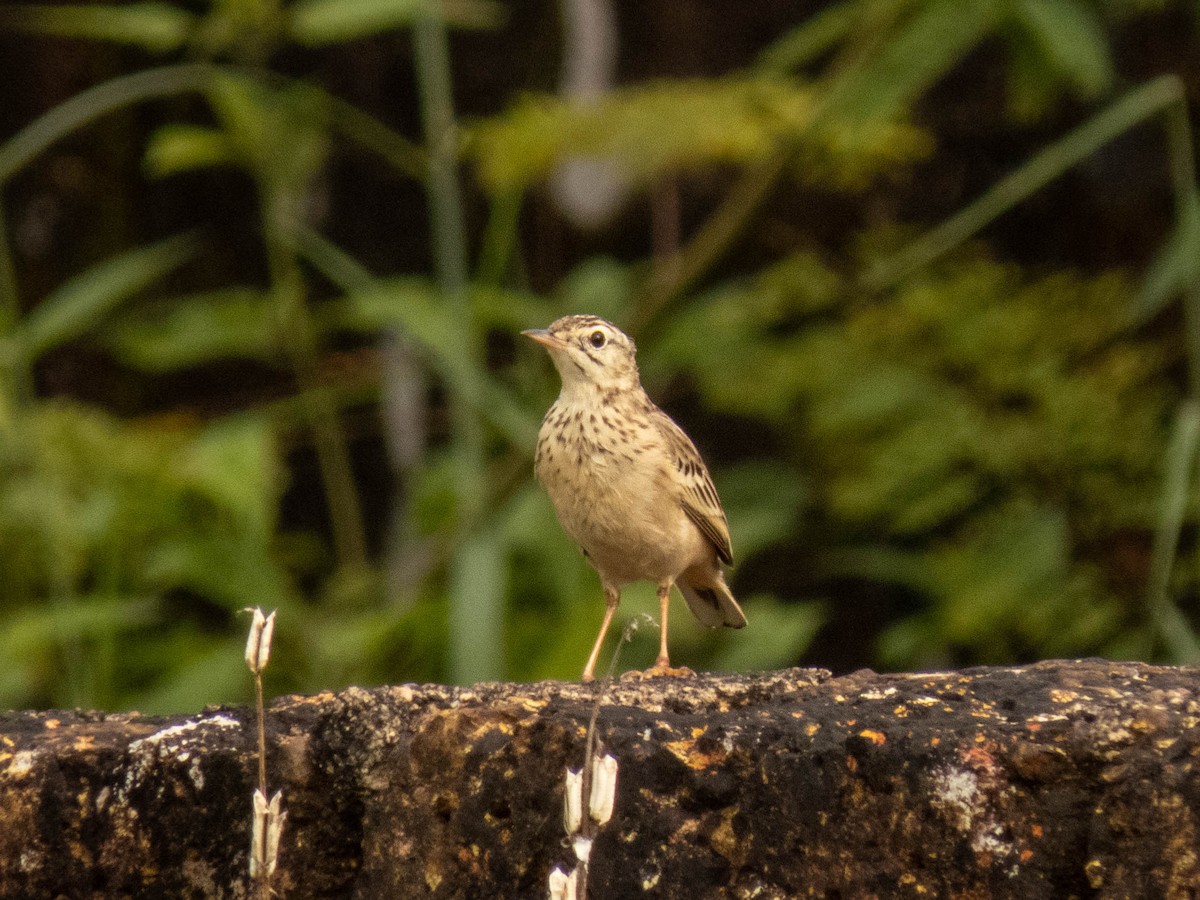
(1062, 779)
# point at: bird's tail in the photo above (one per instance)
(710, 600)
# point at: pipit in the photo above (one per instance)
(627, 484)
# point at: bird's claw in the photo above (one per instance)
(657, 671)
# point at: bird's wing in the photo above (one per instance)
(696, 492)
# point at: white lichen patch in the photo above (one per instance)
(1119, 734)
(182, 735)
(961, 796)
(956, 791)
(1042, 718)
(877, 694)
(21, 763)
(183, 742)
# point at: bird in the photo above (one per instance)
(628, 486)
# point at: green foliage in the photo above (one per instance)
(952, 420)
(1069, 37)
(81, 304)
(193, 330)
(248, 30)
(316, 23)
(976, 439)
(1177, 266)
(156, 27)
(118, 536)
(668, 126)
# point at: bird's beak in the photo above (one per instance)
(542, 336)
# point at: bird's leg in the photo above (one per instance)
(664, 601)
(662, 665)
(612, 597)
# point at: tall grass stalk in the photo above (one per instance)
(94, 103)
(1143, 103)
(1164, 96)
(17, 383)
(475, 597)
(1180, 471)
(329, 440)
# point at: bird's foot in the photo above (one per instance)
(659, 671)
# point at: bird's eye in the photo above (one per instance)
(597, 339)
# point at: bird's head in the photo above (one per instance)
(590, 353)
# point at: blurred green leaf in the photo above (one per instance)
(186, 148)
(924, 48)
(600, 285)
(667, 126)
(235, 463)
(777, 634)
(157, 27)
(208, 671)
(819, 34)
(1175, 267)
(280, 135)
(194, 330)
(763, 501)
(30, 632)
(418, 309)
(317, 23)
(245, 30)
(531, 530)
(984, 584)
(32, 635)
(1177, 492)
(477, 581)
(174, 520)
(225, 568)
(890, 565)
(1031, 94)
(1071, 38)
(87, 299)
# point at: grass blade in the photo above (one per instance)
(1181, 460)
(87, 298)
(477, 590)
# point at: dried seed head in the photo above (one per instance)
(258, 644)
(562, 885)
(604, 788)
(275, 819)
(258, 834)
(573, 801)
(265, 833)
(583, 848)
(635, 624)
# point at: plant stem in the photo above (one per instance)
(10, 302)
(672, 277)
(262, 734)
(19, 384)
(95, 102)
(1134, 108)
(1180, 466)
(500, 239)
(264, 878)
(296, 333)
(431, 47)
(1187, 212)
(449, 238)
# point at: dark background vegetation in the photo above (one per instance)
(264, 264)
